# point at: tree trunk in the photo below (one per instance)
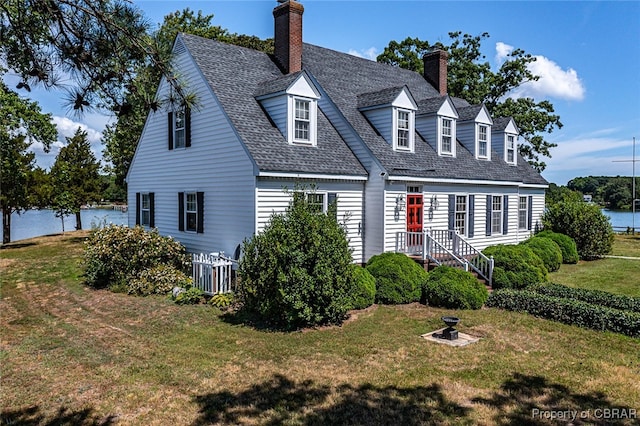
(6, 226)
(78, 221)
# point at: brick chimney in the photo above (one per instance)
(435, 69)
(288, 35)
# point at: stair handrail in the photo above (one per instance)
(461, 261)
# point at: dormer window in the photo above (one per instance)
(511, 149)
(446, 141)
(404, 126)
(302, 122)
(483, 141)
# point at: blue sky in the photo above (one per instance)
(588, 59)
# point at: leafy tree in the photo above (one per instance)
(121, 137)
(21, 124)
(556, 194)
(470, 77)
(75, 176)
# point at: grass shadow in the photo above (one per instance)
(525, 400)
(64, 416)
(280, 400)
(11, 246)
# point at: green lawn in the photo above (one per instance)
(73, 355)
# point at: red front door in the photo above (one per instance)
(414, 212)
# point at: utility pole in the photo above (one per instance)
(633, 185)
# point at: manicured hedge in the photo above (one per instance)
(567, 245)
(398, 278)
(363, 289)
(515, 266)
(547, 250)
(597, 297)
(453, 288)
(567, 311)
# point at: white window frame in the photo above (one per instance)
(311, 120)
(484, 141)
(510, 149)
(322, 202)
(461, 216)
(451, 135)
(397, 128)
(523, 212)
(180, 132)
(145, 210)
(496, 214)
(191, 212)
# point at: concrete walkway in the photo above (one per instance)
(624, 257)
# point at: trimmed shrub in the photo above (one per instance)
(453, 288)
(567, 311)
(547, 250)
(597, 297)
(583, 222)
(115, 255)
(363, 289)
(398, 278)
(296, 272)
(515, 266)
(566, 243)
(160, 279)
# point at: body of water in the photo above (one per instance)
(34, 223)
(622, 219)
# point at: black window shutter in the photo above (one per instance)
(152, 210)
(529, 212)
(187, 127)
(488, 229)
(332, 204)
(505, 215)
(170, 128)
(472, 200)
(200, 201)
(137, 208)
(452, 212)
(181, 211)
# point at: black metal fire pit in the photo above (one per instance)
(448, 333)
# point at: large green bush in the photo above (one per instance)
(516, 266)
(398, 278)
(583, 222)
(596, 297)
(566, 243)
(159, 279)
(547, 250)
(453, 288)
(567, 311)
(363, 289)
(115, 255)
(296, 272)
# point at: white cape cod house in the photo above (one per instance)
(397, 154)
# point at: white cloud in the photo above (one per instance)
(370, 53)
(554, 81)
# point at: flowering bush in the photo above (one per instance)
(115, 255)
(160, 279)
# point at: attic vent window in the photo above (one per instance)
(179, 48)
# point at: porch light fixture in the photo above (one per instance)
(400, 203)
(434, 202)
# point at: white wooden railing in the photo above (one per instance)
(212, 273)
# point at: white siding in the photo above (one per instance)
(382, 120)
(271, 198)
(393, 222)
(276, 107)
(374, 223)
(216, 164)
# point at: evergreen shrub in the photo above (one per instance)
(547, 250)
(159, 279)
(363, 290)
(597, 297)
(398, 278)
(453, 288)
(516, 266)
(566, 243)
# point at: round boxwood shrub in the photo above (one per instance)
(516, 266)
(547, 250)
(115, 255)
(398, 278)
(363, 289)
(453, 288)
(566, 243)
(160, 279)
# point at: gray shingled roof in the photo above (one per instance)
(237, 74)
(468, 113)
(379, 97)
(277, 85)
(431, 105)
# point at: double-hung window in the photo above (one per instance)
(191, 212)
(302, 121)
(447, 134)
(496, 214)
(145, 210)
(179, 129)
(483, 141)
(461, 214)
(403, 129)
(316, 202)
(523, 213)
(511, 148)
